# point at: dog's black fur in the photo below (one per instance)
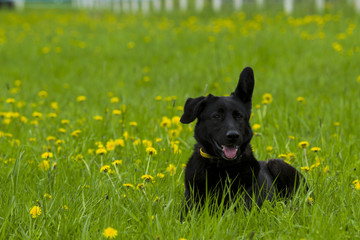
(224, 133)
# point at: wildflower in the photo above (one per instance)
(105, 168)
(358, 79)
(269, 148)
(101, 151)
(44, 165)
(356, 184)
(126, 135)
(158, 98)
(326, 169)
(267, 98)
(156, 199)
(98, 118)
(119, 142)
(291, 137)
(35, 211)
(336, 124)
(81, 98)
(307, 169)
(166, 122)
(256, 126)
(128, 185)
(65, 121)
(110, 232)
(32, 139)
(10, 100)
(303, 144)
(116, 112)
(52, 115)
(54, 105)
(117, 162)
(65, 207)
(75, 133)
(158, 140)
(140, 186)
(151, 151)
(300, 100)
(315, 149)
(310, 201)
(23, 119)
(62, 130)
(147, 143)
(37, 115)
(110, 145)
(147, 177)
(47, 196)
(133, 124)
(337, 47)
(79, 157)
(50, 138)
(114, 100)
(171, 168)
(42, 94)
(160, 175)
(46, 155)
(146, 79)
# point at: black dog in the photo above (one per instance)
(223, 153)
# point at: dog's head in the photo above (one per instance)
(223, 127)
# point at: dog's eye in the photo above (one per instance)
(216, 116)
(237, 115)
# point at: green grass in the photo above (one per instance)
(101, 55)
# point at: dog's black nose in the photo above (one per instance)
(232, 135)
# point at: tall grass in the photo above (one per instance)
(136, 73)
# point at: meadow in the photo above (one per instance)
(91, 146)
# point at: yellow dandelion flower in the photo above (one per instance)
(310, 201)
(156, 199)
(146, 79)
(10, 100)
(140, 186)
(300, 100)
(356, 184)
(131, 45)
(256, 127)
(158, 140)
(336, 124)
(35, 211)
(50, 138)
(117, 162)
(147, 143)
(267, 97)
(101, 151)
(114, 100)
(315, 149)
(269, 148)
(110, 145)
(44, 165)
(42, 94)
(133, 124)
(119, 142)
(54, 105)
(116, 112)
(160, 175)
(62, 130)
(171, 168)
(47, 155)
(98, 118)
(358, 79)
(37, 115)
(52, 115)
(166, 122)
(65, 121)
(110, 232)
(128, 185)
(105, 168)
(79, 157)
(76, 133)
(307, 169)
(337, 47)
(147, 177)
(303, 144)
(65, 207)
(158, 98)
(291, 137)
(81, 99)
(151, 151)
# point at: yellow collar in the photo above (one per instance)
(205, 155)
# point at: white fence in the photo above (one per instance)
(146, 6)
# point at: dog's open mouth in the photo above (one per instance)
(228, 152)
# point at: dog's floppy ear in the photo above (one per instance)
(192, 109)
(245, 87)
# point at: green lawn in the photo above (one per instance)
(82, 90)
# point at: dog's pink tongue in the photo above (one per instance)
(230, 152)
